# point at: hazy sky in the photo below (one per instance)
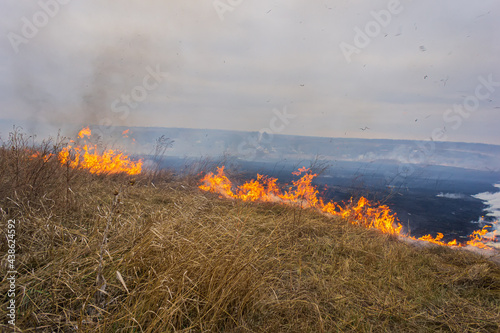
(397, 69)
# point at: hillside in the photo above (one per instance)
(153, 253)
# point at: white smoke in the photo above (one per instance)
(451, 195)
(493, 210)
(493, 202)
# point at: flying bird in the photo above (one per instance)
(482, 15)
(365, 128)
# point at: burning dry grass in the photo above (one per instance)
(117, 254)
(306, 195)
(90, 158)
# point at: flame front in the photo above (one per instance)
(304, 194)
(361, 212)
(479, 237)
(88, 157)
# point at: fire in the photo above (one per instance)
(302, 193)
(437, 240)
(125, 133)
(45, 157)
(84, 132)
(88, 157)
(305, 195)
(479, 237)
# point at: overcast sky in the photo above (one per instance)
(335, 68)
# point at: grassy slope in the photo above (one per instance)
(189, 261)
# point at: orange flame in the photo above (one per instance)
(88, 157)
(125, 133)
(306, 195)
(478, 238)
(437, 240)
(45, 157)
(84, 132)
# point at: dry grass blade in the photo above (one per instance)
(120, 278)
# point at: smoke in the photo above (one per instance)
(115, 71)
(451, 195)
(83, 87)
(69, 75)
(493, 202)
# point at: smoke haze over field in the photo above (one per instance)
(220, 66)
(493, 200)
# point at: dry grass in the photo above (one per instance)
(116, 255)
